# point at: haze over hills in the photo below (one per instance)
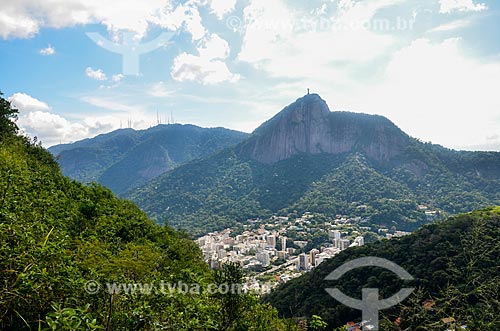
(307, 158)
(126, 158)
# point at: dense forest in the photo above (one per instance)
(58, 237)
(227, 188)
(456, 266)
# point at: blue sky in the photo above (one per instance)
(431, 66)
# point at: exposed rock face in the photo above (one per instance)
(308, 126)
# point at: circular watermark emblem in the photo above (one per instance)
(92, 287)
(370, 305)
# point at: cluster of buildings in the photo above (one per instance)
(267, 251)
(252, 250)
(337, 244)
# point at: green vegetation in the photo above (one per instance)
(455, 264)
(227, 188)
(125, 158)
(317, 323)
(7, 117)
(56, 235)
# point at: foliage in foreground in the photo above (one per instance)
(456, 266)
(56, 235)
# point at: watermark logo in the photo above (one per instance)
(131, 49)
(370, 304)
(92, 287)
(169, 289)
(320, 24)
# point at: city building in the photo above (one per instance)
(344, 244)
(303, 262)
(334, 234)
(283, 244)
(271, 241)
(312, 256)
(264, 258)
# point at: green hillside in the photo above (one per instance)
(126, 158)
(309, 159)
(455, 264)
(226, 188)
(57, 235)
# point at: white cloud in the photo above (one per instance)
(25, 102)
(110, 104)
(120, 107)
(435, 93)
(37, 119)
(117, 78)
(454, 25)
(24, 19)
(49, 50)
(95, 74)
(448, 6)
(160, 90)
(208, 67)
(275, 37)
(214, 47)
(51, 128)
(222, 7)
(185, 16)
(189, 67)
(12, 25)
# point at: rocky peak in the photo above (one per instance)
(308, 126)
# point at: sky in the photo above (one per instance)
(79, 68)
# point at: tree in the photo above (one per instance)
(316, 323)
(8, 115)
(230, 278)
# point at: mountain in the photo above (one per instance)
(308, 126)
(76, 257)
(126, 158)
(455, 265)
(307, 158)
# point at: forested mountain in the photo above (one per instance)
(307, 158)
(455, 264)
(62, 242)
(126, 158)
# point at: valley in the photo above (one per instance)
(250, 213)
(375, 171)
(249, 165)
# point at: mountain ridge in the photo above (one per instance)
(126, 158)
(251, 181)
